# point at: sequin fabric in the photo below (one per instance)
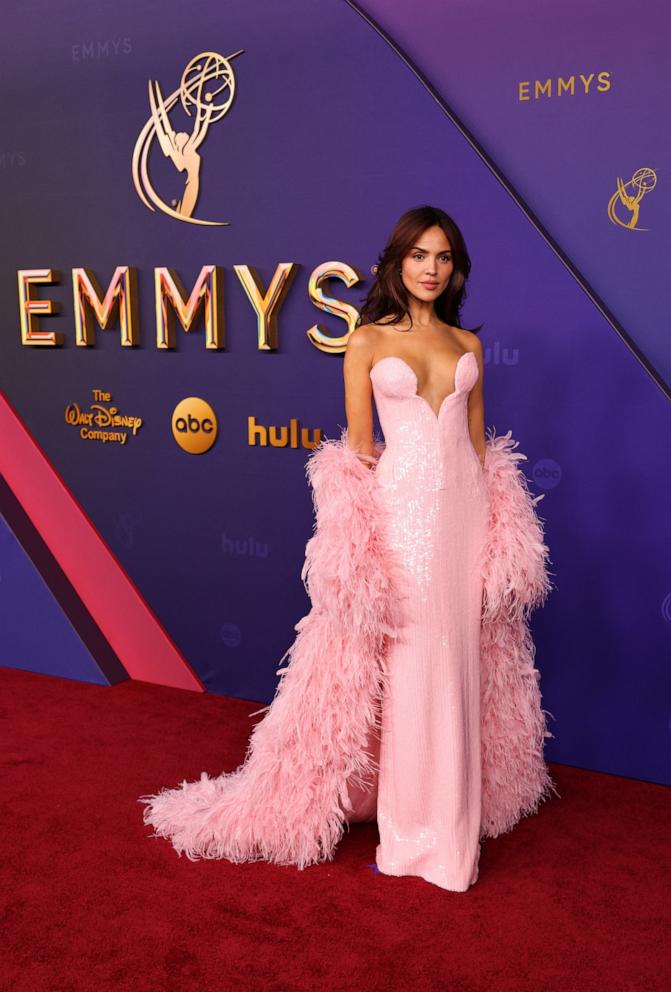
(429, 783)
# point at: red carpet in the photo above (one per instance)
(576, 898)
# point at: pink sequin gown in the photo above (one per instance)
(427, 798)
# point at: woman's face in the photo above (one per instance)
(428, 265)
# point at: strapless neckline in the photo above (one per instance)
(417, 394)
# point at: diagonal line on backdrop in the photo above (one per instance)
(520, 202)
(132, 629)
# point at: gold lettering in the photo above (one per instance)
(566, 84)
(30, 309)
(603, 77)
(318, 335)
(293, 436)
(523, 91)
(171, 301)
(545, 88)
(587, 81)
(266, 305)
(87, 296)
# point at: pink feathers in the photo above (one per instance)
(514, 568)
(290, 799)
(288, 802)
(515, 559)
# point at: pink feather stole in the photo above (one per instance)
(291, 798)
(515, 778)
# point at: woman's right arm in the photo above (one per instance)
(359, 391)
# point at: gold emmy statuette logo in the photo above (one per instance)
(206, 76)
(194, 425)
(627, 197)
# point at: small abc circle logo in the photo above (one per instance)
(194, 425)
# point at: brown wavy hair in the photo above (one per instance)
(388, 296)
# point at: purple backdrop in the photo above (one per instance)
(330, 137)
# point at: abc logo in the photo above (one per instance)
(194, 425)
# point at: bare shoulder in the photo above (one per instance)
(362, 342)
(469, 341)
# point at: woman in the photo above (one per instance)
(410, 695)
(426, 375)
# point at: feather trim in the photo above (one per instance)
(290, 799)
(288, 802)
(515, 558)
(515, 778)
